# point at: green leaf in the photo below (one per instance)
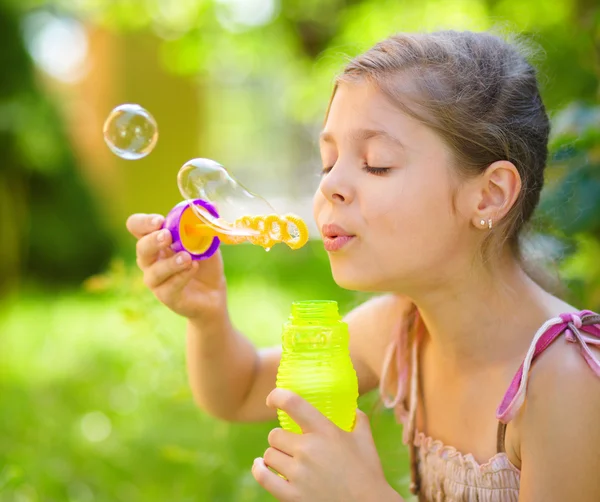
(574, 204)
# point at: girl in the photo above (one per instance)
(434, 150)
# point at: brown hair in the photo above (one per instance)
(480, 94)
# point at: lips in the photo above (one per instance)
(335, 237)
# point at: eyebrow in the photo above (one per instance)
(363, 135)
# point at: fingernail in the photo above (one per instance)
(269, 397)
(161, 235)
(157, 220)
(181, 259)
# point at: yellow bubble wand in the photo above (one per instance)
(219, 210)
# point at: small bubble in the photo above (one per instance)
(130, 131)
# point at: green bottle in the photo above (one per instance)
(316, 364)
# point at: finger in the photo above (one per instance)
(149, 247)
(167, 272)
(279, 461)
(173, 286)
(274, 484)
(142, 224)
(308, 418)
(285, 441)
(362, 423)
(165, 253)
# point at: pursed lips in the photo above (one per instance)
(335, 237)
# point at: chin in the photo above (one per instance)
(356, 279)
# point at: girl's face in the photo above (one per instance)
(384, 204)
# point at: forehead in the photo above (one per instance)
(362, 106)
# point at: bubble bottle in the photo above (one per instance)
(316, 364)
(217, 209)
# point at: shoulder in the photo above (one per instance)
(558, 425)
(560, 376)
(562, 373)
(372, 327)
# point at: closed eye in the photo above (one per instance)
(378, 171)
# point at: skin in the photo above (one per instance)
(411, 243)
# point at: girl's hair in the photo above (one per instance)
(480, 95)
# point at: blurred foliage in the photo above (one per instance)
(94, 397)
(570, 206)
(228, 39)
(95, 401)
(43, 200)
(265, 69)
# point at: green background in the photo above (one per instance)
(94, 402)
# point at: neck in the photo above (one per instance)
(482, 320)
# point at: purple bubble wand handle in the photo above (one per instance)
(200, 248)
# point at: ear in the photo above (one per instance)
(497, 191)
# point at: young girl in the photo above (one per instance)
(434, 150)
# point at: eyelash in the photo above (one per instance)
(377, 171)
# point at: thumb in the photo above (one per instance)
(362, 424)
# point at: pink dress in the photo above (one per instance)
(439, 472)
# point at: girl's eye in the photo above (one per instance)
(379, 171)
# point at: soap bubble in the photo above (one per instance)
(130, 131)
(208, 180)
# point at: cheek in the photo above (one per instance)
(318, 201)
(414, 222)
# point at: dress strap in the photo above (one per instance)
(500, 436)
(582, 328)
(407, 417)
(408, 431)
(409, 428)
(394, 355)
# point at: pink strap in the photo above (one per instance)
(398, 348)
(572, 325)
(394, 349)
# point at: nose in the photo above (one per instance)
(337, 185)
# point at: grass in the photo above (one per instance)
(94, 398)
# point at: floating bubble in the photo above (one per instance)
(130, 131)
(208, 180)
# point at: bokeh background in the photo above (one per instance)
(94, 403)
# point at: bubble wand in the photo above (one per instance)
(217, 209)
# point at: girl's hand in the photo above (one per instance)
(195, 290)
(325, 463)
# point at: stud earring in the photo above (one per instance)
(490, 223)
(482, 223)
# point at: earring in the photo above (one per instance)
(482, 223)
(490, 223)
